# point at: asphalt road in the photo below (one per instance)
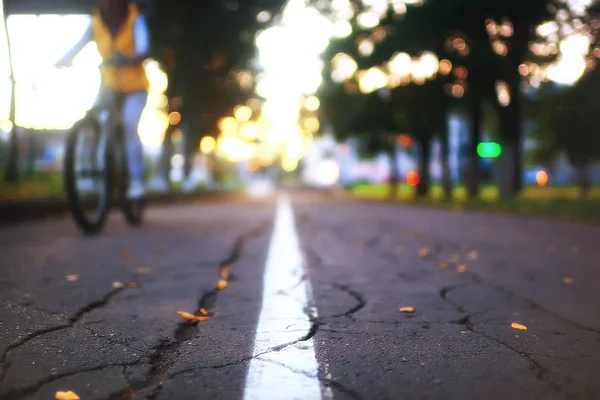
(98, 315)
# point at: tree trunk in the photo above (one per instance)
(583, 179)
(11, 173)
(512, 137)
(188, 148)
(31, 152)
(166, 153)
(394, 179)
(474, 176)
(424, 167)
(445, 159)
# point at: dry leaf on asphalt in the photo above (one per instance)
(399, 249)
(461, 269)
(473, 255)
(191, 317)
(125, 255)
(225, 272)
(203, 311)
(72, 278)
(118, 285)
(443, 264)
(408, 309)
(575, 249)
(424, 253)
(66, 396)
(143, 271)
(222, 284)
(567, 280)
(520, 327)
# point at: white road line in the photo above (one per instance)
(290, 373)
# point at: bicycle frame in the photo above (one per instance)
(109, 114)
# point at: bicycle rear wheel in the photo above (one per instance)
(87, 175)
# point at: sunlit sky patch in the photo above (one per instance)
(290, 56)
(51, 98)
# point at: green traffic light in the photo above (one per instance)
(489, 150)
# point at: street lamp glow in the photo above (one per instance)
(342, 29)
(368, 19)
(429, 63)
(228, 125)
(373, 79)
(249, 130)
(208, 144)
(344, 67)
(242, 113)
(312, 103)
(400, 64)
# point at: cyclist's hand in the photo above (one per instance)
(64, 63)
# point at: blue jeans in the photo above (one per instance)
(133, 106)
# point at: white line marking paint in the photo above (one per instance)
(290, 373)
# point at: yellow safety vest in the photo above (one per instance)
(120, 79)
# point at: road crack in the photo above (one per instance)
(165, 353)
(327, 382)
(72, 320)
(29, 390)
(538, 370)
(360, 302)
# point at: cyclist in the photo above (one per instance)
(122, 37)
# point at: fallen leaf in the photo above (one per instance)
(125, 255)
(143, 271)
(222, 284)
(520, 327)
(424, 253)
(225, 272)
(575, 249)
(567, 280)
(186, 315)
(408, 309)
(473, 255)
(72, 278)
(66, 396)
(443, 264)
(203, 311)
(118, 285)
(191, 317)
(461, 269)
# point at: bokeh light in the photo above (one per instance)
(542, 178)
(413, 178)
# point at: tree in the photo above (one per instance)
(573, 128)
(11, 172)
(401, 112)
(203, 45)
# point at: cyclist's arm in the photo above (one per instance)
(70, 55)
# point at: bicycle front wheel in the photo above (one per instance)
(87, 175)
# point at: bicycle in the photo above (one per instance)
(100, 160)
